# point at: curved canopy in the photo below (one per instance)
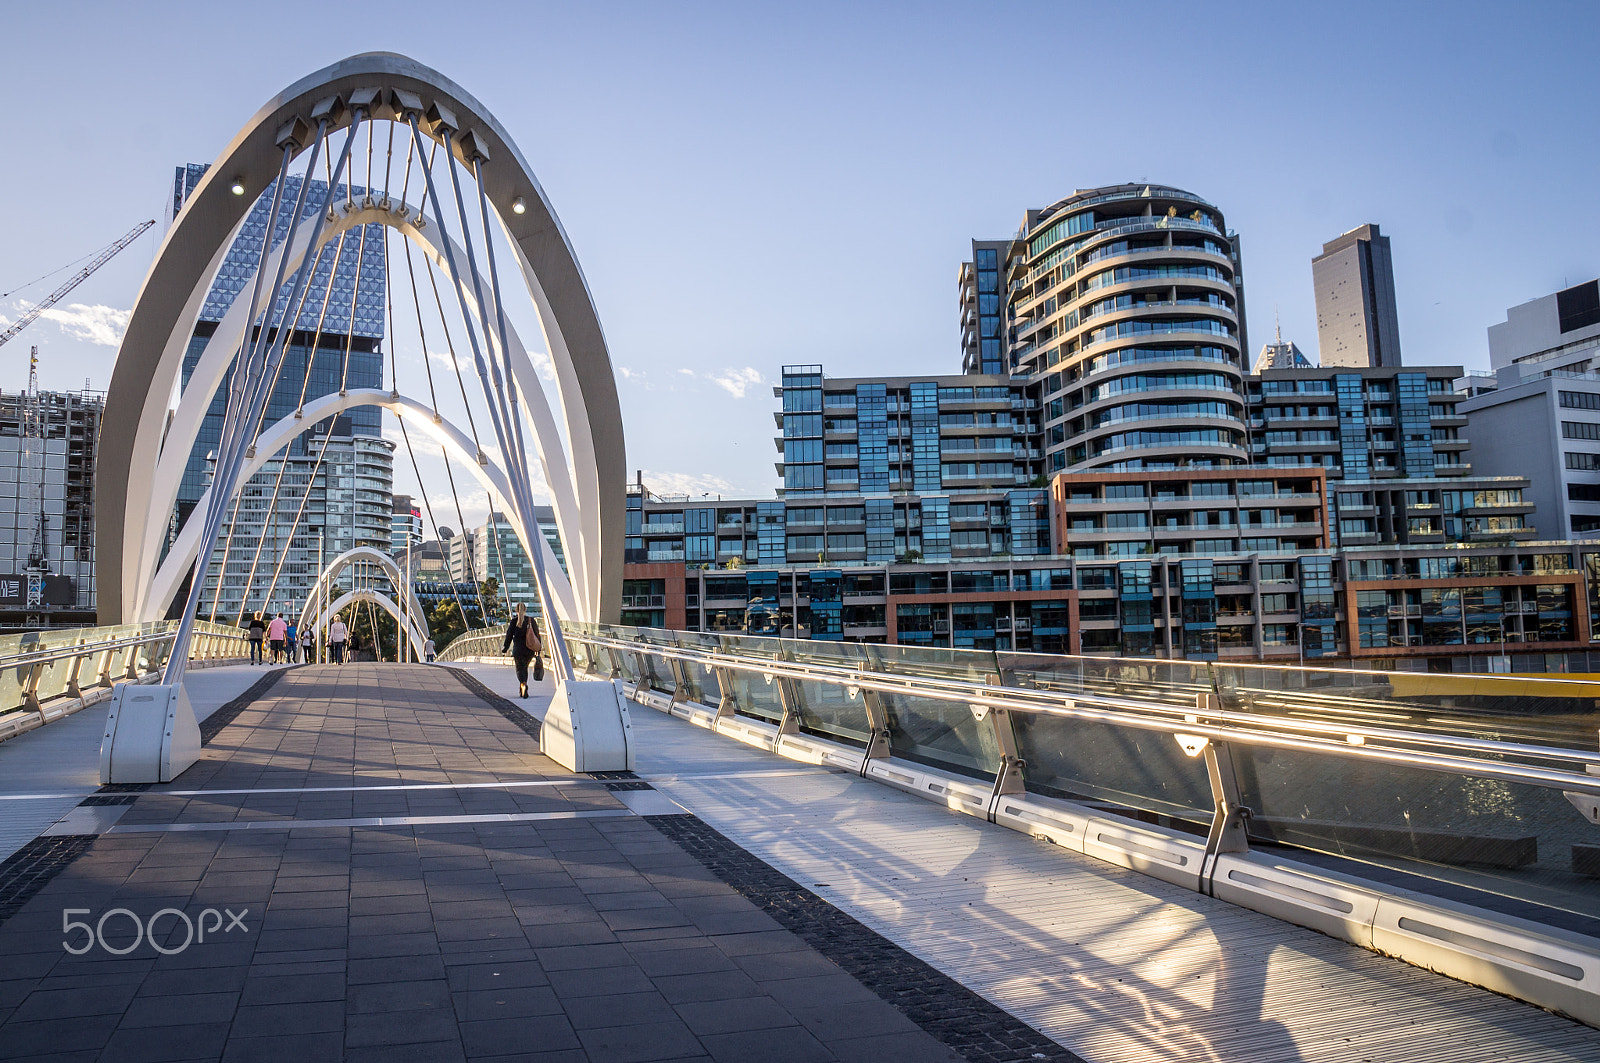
(377, 597)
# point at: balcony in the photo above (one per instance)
(661, 529)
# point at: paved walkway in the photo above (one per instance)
(46, 772)
(1115, 965)
(412, 880)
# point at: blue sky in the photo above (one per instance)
(752, 185)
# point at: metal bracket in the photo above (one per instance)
(726, 704)
(1007, 780)
(680, 683)
(1230, 818)
(1587, 804)
(789, 698)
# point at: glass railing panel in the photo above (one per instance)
(827, 710)
(753, 693)
(13, 679)
(941, 733)
(53, 675)
(1506, 708)
(704, 685)
(1123, 767)
(1174, 682)
(1510, 841)
(654, 666)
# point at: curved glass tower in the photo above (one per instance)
(1126, 302)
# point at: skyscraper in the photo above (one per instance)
(1356, 321)
(346, 500)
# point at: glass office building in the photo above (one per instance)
(347, 280)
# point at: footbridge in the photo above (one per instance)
(678, 845)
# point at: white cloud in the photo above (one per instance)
(683, 483)
(737, 382)
(100, 325)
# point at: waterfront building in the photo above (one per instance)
(60, 467)
(1357, 325)
(1392, 440)
(1125, 308)
(1542, 418)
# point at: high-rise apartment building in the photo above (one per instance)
(405, 525)
(1125, 305)
(1542, 419)
(1356, 321)
(51, 477)
(326, 353)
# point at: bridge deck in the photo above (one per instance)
(421, 883)
(417, 882)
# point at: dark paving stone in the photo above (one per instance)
(641, 1043)
(791, 1045)
(166, 1043)
(737, 1016)
(302, 1046)
(178, 1009)
(431, 1052)
(400, 1028)
(623, 1009)
(292, 989)
(715, 985)
(31, 868)
(264, 1020)
(499, 1037)
(603, 981)
(506, 1002)
(31, 1040)
(398, 996)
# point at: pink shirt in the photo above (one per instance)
(277, 629)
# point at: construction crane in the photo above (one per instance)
(38, 566)
(77, 278)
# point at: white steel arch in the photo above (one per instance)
(368, 555)
(186, 547)
(377, 597)
(574, 500)
(370, 87)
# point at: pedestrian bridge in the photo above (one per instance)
(823, 852)
(685, 846)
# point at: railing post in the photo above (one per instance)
(725, 704)
(877, 723)
(1008, 776)
(1230, 818)
(30, 689)
(73, 690)
(680, 681)
(641, 669)
(103, 669)
(789, 698)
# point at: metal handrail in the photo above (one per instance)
(80, 649)
(1232, 726)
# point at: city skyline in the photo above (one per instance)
(859, 130)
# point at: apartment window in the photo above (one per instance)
(1580, 400)
(1580, 430)
(1584, 462)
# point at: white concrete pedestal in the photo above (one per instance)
(151, 734)
(587, 728)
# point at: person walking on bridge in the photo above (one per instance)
(308, 645)
(522, 639)
(337, 634)
(258, 631)
(291, 642)
(277, 632)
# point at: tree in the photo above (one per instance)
(445, 623)
(489, 590)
